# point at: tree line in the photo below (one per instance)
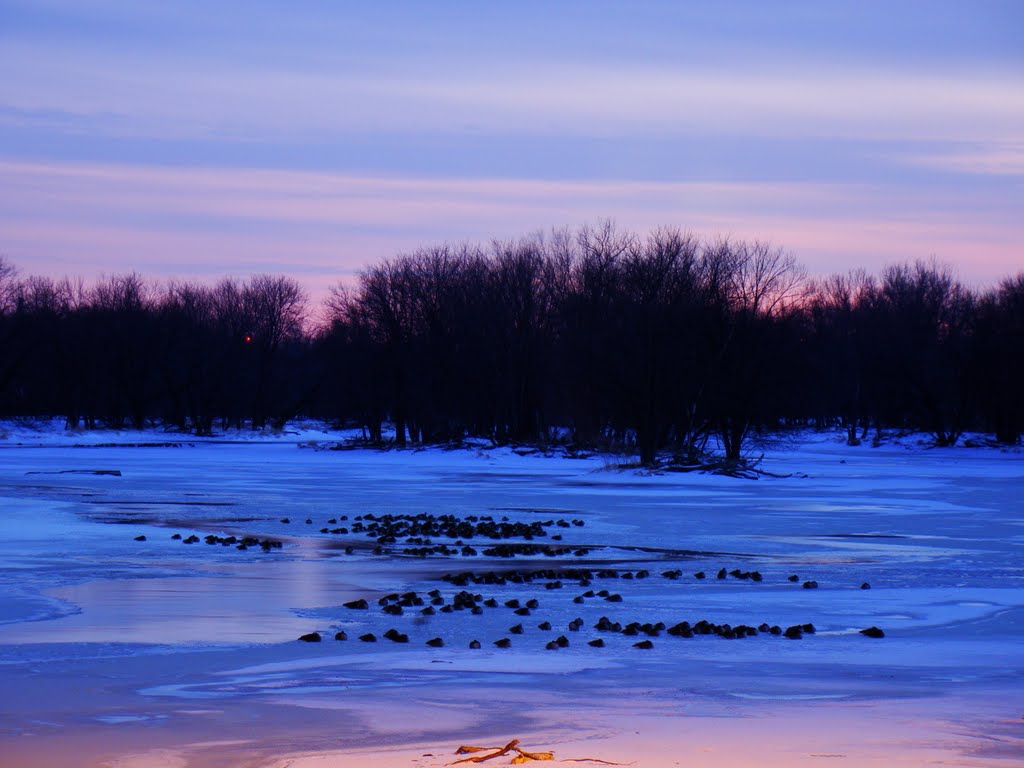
(651, 344)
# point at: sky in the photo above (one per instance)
(199, 139)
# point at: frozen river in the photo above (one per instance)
(123, 652)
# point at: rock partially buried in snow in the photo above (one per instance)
(872, 632)
(312, 637)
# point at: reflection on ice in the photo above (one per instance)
(250, 603)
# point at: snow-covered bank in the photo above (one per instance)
(186, 654)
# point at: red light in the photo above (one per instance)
(248, 339)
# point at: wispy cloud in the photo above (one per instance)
(92, 218)
(995, 160)
(161, 96)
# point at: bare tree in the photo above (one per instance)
(928, 318)
(8, 285)
(275, 309)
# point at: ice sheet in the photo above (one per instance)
(122, 651)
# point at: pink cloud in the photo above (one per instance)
(87, 219)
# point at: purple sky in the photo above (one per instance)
(198, 139)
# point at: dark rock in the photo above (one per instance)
(340, 635)
(614, 598)
(140, 538)
(369, 637)
(503, 643)
(436, 642)
(312, 637)
(598, 643)
(872, 632)
(810, 585)
(176, 536)
(522, 612)
(474, 644)
(794, 578)
(285, 520)
(516, 630)
(562, 640)
(545, 625)
(793, 633)
(700, 575)
(865, 585)
(644, 644)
